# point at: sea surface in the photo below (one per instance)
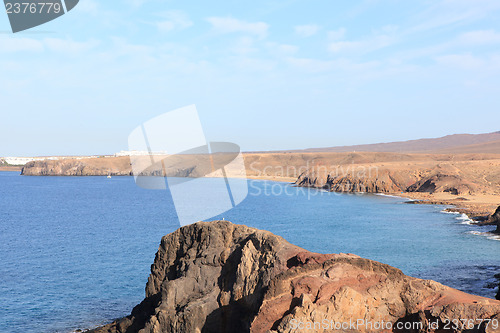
(75, 252)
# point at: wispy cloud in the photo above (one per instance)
(66, 46)
(463, 61)
(306, 30)
(282, 49)
(345, 65)
(174, 20)
(244, 45)
(226, 25)
(338, 34)
(479, 37)
(368, 44)
(88, 6)
(467, 61)
(453, 12)
(10, 44)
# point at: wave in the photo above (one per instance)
(448, 212)
(464, 219)
(394, 196)
(493, 236)
(486, 234)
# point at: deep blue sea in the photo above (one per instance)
(76, 252)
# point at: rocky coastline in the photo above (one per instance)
(221, 277)
(467, 185)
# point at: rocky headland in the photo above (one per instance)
(104, 166)
(221, 277)
(470, 182)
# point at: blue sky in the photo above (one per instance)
(263, 74)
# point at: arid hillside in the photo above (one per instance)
(455, 141)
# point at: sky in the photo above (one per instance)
(266, 75)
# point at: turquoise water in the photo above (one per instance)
(76, 251)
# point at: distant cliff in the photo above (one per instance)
(219, 277)
(115, 166)
(438, 177)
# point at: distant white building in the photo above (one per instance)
(139, 153)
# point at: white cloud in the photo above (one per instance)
(362, 46)
(69, 46)
(230, 25)
(480, 37)
(252, 65)
(137, 3)
(462, 61)
(88, 6)
(14, 44)
(317, 65)
(306, 30)
(174, 20)
(244, 45)
(336, 34)
(453, 12)
(287, 49)
(281, 50)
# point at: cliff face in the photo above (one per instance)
(383, 182)
(119, 166)
(220, 277)
(495, 219)
(384, 179)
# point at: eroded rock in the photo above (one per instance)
(221, 277)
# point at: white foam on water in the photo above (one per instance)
(493, 236)
(448, 212)
(464, 219)
(486, 234)
(393, 196)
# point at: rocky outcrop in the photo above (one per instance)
(495, 219)
(350, 182)
(439, 182)
(78, 167)
(381, 179)
(220, 277)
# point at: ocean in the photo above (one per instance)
(75, 252)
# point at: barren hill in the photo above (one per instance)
(455, 142)
(478, 148)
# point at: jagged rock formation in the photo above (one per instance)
(383, 182)
(442, 178)
(495, 219)
(220, 277)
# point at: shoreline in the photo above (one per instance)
(476, 207)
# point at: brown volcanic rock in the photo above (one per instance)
(220, 277)
(358, 179)
(114, 166)
(495, 219)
